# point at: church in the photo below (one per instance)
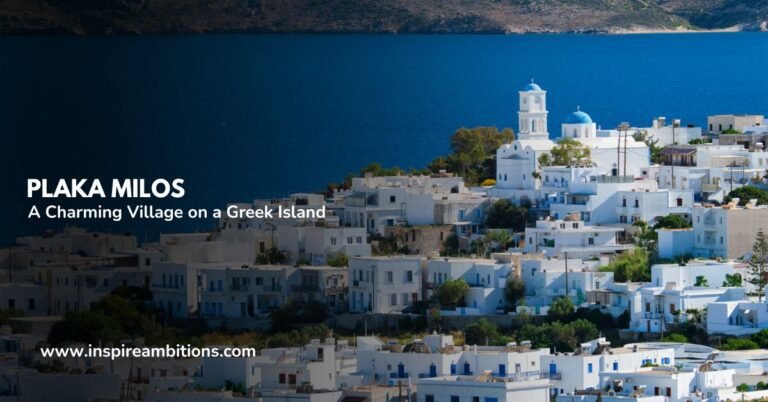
(517, 162)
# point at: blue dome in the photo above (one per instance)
(532, 87)
(578, 117)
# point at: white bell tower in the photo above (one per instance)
(532, 117)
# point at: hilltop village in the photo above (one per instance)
(622, 265)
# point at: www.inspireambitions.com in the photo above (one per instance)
(142, 189)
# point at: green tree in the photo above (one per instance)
(272, 256)
(584, 330)
(746, 193)
(743, 387)
(672, 222)
(631, 266)
(451, 245)
(498, 238)
(474, 151)
(339, 260)
(652, 143)
(732, 281)
(514, 291)
(505, 215)
(567, 152)
(675, 337)
(760, 338)
(701, 281)
(757, 273)
(730, 131)
(739, 344)
(561, 307)
(451, 292)
(482, 332)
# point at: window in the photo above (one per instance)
(281, 378)
(589, 367)
(31, 304)
(389, 277)
(393, 299)
(333, 241)
(429, 398)
(349, 240)
(11, 303)
(454, 398)
(615, 366)
(405, 299)
(409, 276)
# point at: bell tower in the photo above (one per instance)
(532, 116)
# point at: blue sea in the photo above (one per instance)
(242, 116)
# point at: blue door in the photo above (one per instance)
(466, 369)
(432, 370)
(401, 370)
(487, 399)
(552, 368)
(502, 370)
(453, 369)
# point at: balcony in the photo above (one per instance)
(272, 288)
(239, 288)
(552, 376)
(335, 290)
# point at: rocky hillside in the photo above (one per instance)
(402, 16)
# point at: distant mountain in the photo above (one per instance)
(101, 17)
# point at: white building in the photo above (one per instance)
(384, 284)
(486, 279)
(436, 356)
(314, 366)
(583, 369)
(612, 152)
(546, 280)
(736, 318)
(669, 134)
(554, 237)
(516, 162)
(221, 289)
(727, 231)
(486, 388)
(722, 122)
(586, 191)
(375, 203)
(676, 291)
(316, 244)
(675, 243)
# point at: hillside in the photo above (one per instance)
(401, 16)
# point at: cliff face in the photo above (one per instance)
(404, 16)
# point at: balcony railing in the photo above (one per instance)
(552, 376)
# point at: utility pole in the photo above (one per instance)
(623, 126)
(618, 151)
(674, 142)
(565, 253)
(625, 149)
